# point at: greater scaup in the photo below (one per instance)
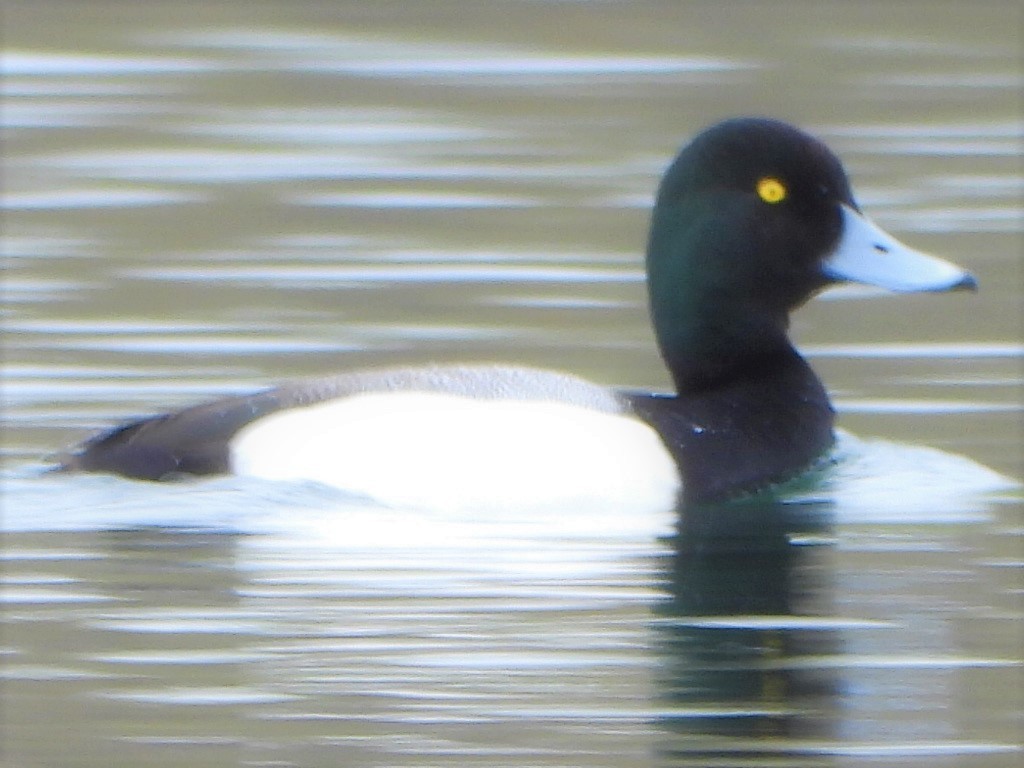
(751, 219)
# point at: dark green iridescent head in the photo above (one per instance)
(744, 219)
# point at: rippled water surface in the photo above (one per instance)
(206, 199)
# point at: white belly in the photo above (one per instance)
(442, 451)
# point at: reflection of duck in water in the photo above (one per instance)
(751, 219)
(747, 609)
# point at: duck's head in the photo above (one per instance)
(753, 218)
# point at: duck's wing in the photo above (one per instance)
(196, 440)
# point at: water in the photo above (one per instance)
(206, 200)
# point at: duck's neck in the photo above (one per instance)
(707, 347)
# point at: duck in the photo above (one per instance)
(752, 218)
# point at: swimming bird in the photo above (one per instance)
(751, 219)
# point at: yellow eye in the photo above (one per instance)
(771, 190)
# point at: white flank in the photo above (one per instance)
(442, 451)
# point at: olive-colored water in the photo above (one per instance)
(204, 198)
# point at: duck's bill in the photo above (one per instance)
(867, 254)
